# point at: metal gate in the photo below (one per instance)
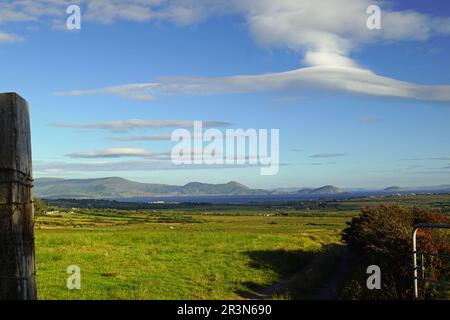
(422, 254)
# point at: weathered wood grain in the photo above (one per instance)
(17, 261)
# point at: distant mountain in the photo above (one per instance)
(230, 188)
(394, 189)
(122, 188)
(305, 191)
(107, 188)
(322, 190)
(327, 190)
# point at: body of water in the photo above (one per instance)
(229, 199)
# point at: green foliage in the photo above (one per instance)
(39, 206)
(382, 236)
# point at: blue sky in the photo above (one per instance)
(364, 108)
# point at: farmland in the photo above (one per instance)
(192, 253)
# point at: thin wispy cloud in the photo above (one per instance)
(132, 124)
(328, 155)
(352, 80)
(155, 137)
(61, 168)
(142, 153)
(160, 137)
(444, 158)
(432, 172)
(113, 153)
(130, 91)
(9, 37)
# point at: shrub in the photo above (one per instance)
(382, 236)
(39, 206)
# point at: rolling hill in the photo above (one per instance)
(116, 188)
(321, 190)
(122, 188)
(395, 189)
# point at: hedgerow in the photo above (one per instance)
(383, 236)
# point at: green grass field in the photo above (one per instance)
(222, 252)
(125, 255)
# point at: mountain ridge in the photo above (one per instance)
(115, 187)
(120, 188)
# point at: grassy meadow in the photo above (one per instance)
(169, 255)
(218, 252)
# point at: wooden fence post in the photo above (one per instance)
(17, 261)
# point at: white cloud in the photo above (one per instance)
(32, 10)
(332, 27)
(324, 33)
(444, 158)
(328, 155)
(108, 11)
(9, 37)
(327, 31)
(127, 125)
(348, 79)
(63, 168)
(114, 153)
(155, 137)
(101, 166)
(130, 91)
